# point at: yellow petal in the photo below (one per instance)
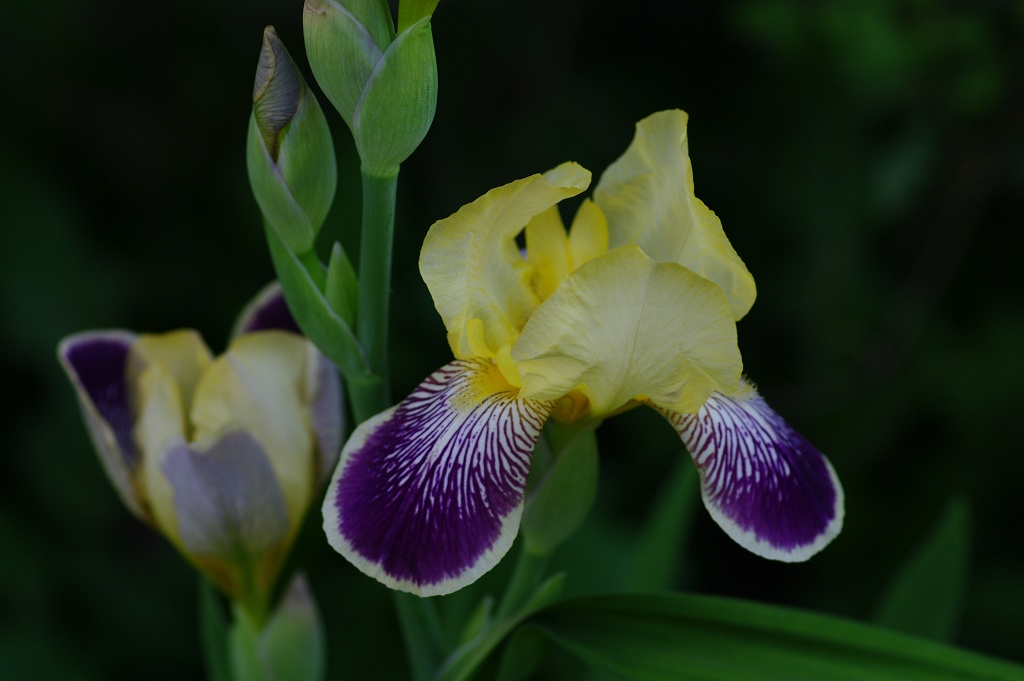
(163, 370)
(182, 353)
(623, 326)
(472, 266)
(588, 237)
(647, 195)
(547, 249)
(257, 387)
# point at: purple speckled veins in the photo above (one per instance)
(430, 492)
(768, 487)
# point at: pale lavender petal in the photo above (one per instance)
(227, 499)
(769, 488)
(268, 311)
(97, 362)
(325, 413)
(428, 495)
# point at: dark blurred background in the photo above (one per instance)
(866, 159)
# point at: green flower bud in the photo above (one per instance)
(290, 645)
(289, 152)
(383, 85)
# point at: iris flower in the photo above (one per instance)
(636, 305)
(222, 455)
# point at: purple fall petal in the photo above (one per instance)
(268, 311)
(768, 487)
(428, 495)
(96, 362)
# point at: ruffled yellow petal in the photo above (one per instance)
(473, 268)
(257, 387)
(554, 254)
(647, 196)
(623, 326)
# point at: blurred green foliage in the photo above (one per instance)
(866, 159)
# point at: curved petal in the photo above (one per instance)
(647, 196)
(230, 511)
(763, 483)
(96, 362)
(473, 268)
(267, 311)
(622, 326)
(428, 495)
(324, 398)
(554, 254)
(257, 387)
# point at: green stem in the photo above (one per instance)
(375, 286)
(421, 631)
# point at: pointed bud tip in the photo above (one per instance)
(278, 90)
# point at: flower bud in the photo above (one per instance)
(383, 85)
(290, 645)
(222, 455)
(289, 151)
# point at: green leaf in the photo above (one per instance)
(523, 654)
(213, 626)
(560, 502)
(661, 637)
(318, 321)
(341, 289)
(466, 659)
(411, 11)
(658, 551)
(926, 596)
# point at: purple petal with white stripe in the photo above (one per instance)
(428, 494)
(769, 488)
(97, 363)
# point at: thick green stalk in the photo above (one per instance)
(375, 288)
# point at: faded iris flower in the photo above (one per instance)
(637, 304)
(222, 455)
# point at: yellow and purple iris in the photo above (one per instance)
(636, 304)
(223, 455)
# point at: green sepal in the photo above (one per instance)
(289, 645)
(343, 48)
(213, 625)
(667, 636)
(321, 324)
(295, 178)
(399, 102)
(926, 596)
(341, 288)
(411, 11)
(563, 497)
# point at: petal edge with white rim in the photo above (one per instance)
(428, 495)
(769, 488)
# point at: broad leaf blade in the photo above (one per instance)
(926, 596)
(701, 638)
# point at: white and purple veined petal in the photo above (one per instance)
(769, 488)
(428, 495)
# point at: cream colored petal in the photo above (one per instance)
(647, 196)
(182, 353)
(623, 326)
(258, 387)
(160, 428)
(472, 266)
